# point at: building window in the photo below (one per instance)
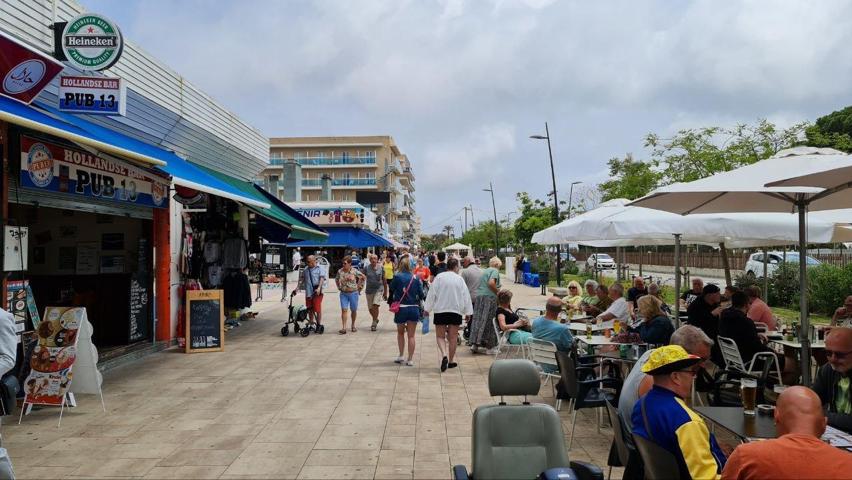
(344, 155)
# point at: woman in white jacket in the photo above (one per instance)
(449, 300)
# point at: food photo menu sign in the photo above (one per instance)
(52, 358)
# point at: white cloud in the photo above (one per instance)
(474, 156)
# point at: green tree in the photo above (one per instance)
(833, 130)
(433, 242)
(535, 215)
(481, 237)
(629, 179)
(696, 153)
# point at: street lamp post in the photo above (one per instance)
(571, 196)
(546, 136)
(496, 225)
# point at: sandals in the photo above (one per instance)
(341, 332)
(373, 327)
(354, 329)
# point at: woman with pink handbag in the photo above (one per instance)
(406, 293)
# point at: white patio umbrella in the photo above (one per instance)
(456, 247)
(745, 190)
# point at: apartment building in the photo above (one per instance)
(297, 166)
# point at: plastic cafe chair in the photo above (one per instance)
(734, 361)
(586, 393)
(543, 355)
(659, 463)
(761, 327)
(503, 344)
(622, 450)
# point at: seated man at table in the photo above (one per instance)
(798, 452)
(758, 310)
(602, 292)
(654, 291)
(637, 291)
(618, 310)
(704, 313)
(832, 382)
(689, 296)
(662, 417)
(548, 328)
(734, 324)
(843, 316)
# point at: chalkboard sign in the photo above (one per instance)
(139, 313)
(205, 321)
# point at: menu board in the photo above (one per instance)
(205, 321)
(53, 356)
(21, 303)
(138, 307)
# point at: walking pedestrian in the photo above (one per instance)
(406, 289)
(482, 334)
(376, 289)
(349, 282)
(388, 267)
(449, 300)
(314, 282)
(296, 259)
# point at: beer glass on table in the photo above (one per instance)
(748, 393)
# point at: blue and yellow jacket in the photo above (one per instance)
(678, 429)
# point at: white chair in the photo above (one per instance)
(503, 344)
(543, 355)
(761, 327)
(734, 361)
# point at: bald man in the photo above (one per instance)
(548, 327)
(832, 382)
(798, 452)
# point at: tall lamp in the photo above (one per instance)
(546, 136)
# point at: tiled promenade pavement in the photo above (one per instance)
(331, 406)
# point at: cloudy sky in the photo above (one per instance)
(462, 84)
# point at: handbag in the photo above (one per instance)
(9, 388)
(394, 307)
(424, 329)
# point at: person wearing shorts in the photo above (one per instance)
(376, 289)
(313, 280)
(406, 289)
(449, 299)
(349, 282)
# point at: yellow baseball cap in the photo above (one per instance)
(668, 359)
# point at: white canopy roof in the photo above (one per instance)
(745, 190)
(616, 223)
(457, 247)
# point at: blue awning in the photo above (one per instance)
(46, 119)
(350, 237)
(42, 119)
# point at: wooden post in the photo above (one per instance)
(162, 273)
(4, 196)
(725, 263)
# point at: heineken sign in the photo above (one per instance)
(92, 42)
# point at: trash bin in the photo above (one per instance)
(544, 277)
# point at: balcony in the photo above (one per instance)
(408, 172)
(336, 161)
(341, 183)
(393, 167)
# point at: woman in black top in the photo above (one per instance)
(509, 322)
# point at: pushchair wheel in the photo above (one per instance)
(320, 329)
(306, 331)
(285, 330)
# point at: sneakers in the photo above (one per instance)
(452, 365)
(409, 363)
(399, 360)
(444, 363)
(492, 351)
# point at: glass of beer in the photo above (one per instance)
(748, 392)
(616, 325)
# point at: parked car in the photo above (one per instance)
(565, 256)
(754, 265)
(601, 261)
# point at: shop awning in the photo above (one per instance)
(183, 172)
(42, 118)
(276, 210)
(350, 237)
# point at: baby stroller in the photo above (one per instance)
(298, 316)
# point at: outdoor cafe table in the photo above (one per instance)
(761, 427)
(581, 327)
(796, 344)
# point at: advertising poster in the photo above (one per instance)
(24, 71)
(52, 358)
(20, 303)
(56, 168)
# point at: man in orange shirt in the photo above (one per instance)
(798, 452)
(758, 310)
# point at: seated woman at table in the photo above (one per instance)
(656, 327)
(590, 296)
(843, 316)
(654, 291)
(509, 322)
(602, 304)
(571, 302)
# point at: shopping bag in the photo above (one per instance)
(425, 327)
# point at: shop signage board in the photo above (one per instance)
(205, 321)
(51, 167)
(92, 95)
(138, 308)
(25, 72)
(336, 216)
(53, 357)
(91, 42)
(21, 304)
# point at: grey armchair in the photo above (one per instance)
(518, 441)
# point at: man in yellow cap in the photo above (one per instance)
(662, 417)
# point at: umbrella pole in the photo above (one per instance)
(677, 278)
(725, 264)
(804, 332)
(765, 275)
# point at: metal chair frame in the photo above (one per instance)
(543, 353)
(734, 361)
